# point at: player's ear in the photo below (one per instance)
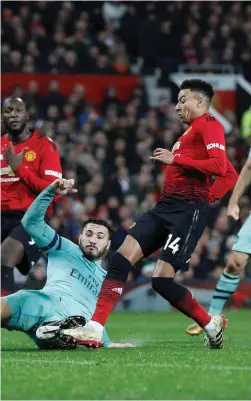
(200, 102)
(108, 245)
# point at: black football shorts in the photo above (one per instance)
(175, 225)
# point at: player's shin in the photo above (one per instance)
(7, 280)
(112, 288)
(226, 286)
(182, 299)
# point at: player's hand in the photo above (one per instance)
(162, 156)
(63, 187)
(233, 211)
(119, 345)
(13, 159)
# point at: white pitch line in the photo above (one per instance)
(95, 363)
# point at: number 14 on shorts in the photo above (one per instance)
(172, 245)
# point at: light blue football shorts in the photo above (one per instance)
(31, 309)
(243, 239)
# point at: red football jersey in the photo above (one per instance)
(199, 154)
(41, 166)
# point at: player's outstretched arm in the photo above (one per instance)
(34, 219)
(243, 181)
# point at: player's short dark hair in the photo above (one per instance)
(14, 98)
(99, 222)
(200, 86)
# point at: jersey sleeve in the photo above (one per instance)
(212, 134)
(42, 234)
(49, 167)
(105, 339)
(223, 184)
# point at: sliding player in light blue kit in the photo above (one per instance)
(74, 277)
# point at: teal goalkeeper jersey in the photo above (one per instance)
(71, 277)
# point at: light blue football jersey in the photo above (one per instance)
(71, 278)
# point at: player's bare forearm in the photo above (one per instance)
(243, 182)
(213, 166)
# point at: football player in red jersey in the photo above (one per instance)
(29, 163)
(177, 221)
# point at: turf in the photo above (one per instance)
(167, 364)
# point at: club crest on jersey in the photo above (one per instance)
(30, 156)
(187, 131)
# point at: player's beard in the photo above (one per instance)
(91, 256)
(18, 131)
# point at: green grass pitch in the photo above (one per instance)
(167, 364)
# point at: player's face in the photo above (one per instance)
(94, 241)
(14, 116)
(189, 105)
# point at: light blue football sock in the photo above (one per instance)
(226, 286)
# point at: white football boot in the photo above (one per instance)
(214, 338)
(90, 335)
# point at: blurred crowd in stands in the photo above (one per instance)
(109, 37)
(106, 147)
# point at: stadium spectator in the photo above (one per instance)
(94, 38)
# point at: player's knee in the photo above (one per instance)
(12, 252)
(131, 250)
(236, 263)
(119, 268)
(164, 269)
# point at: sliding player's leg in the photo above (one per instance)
(26, 310)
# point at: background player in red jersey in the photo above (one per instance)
(29, 162)
(178, 219)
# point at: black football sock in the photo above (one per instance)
(7, 279)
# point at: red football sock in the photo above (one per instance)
(181, 298)
(191, 307)
(111, 291)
